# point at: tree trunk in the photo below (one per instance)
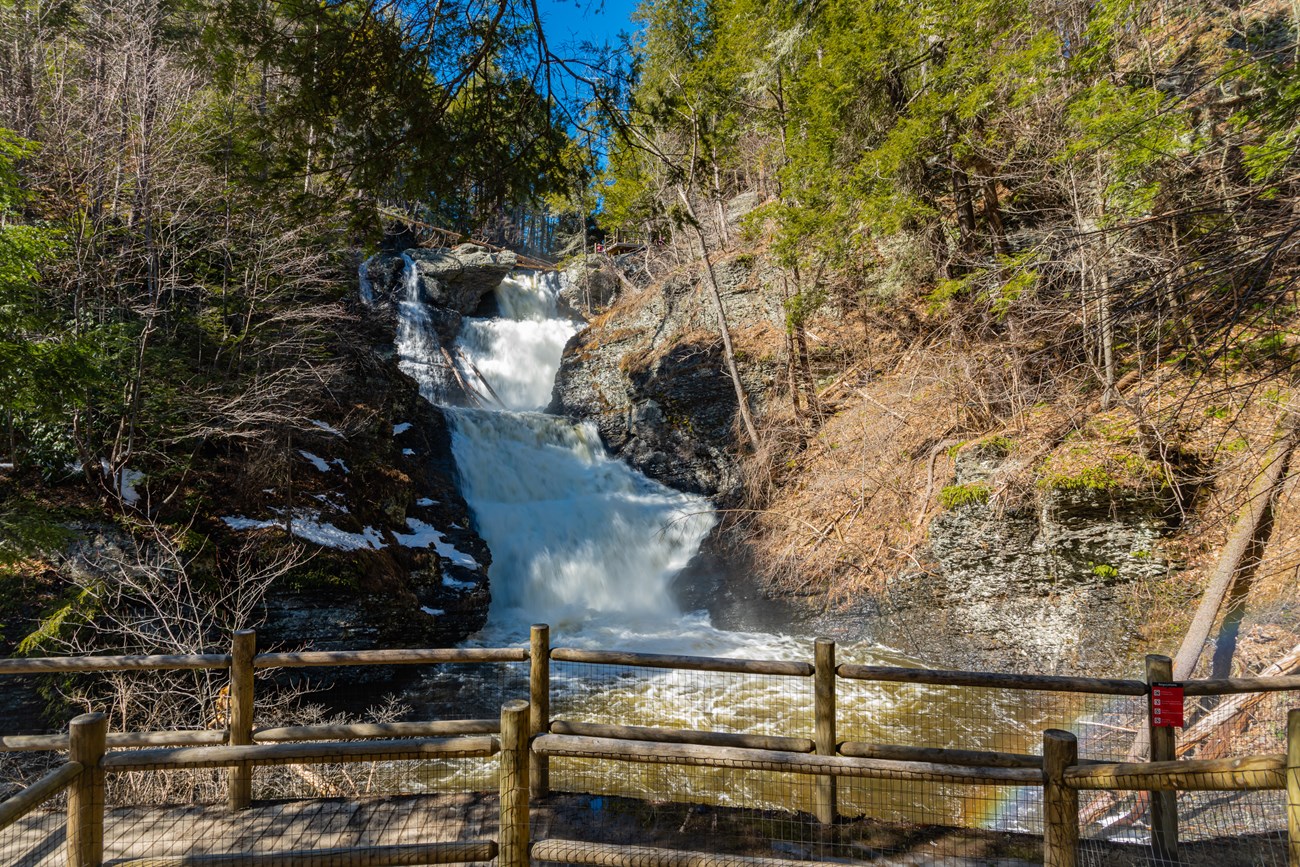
(742, 401)
(1258, 503)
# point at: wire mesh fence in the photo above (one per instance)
(400, 800)
(676, 698)
(1224, 829)
(39, 838)
(728, 811)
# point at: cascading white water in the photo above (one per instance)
(575, 535)
(419, 352)
(519, 352)
(364, 286)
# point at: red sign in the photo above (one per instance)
(1166, 704)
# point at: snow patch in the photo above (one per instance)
(326, 427)
(329, 500)
(316, 460)
(240, 523)
(424, 536)
(312, 529)
(126, 481)
(425, 501)
(399, 429)
(338, 462)
(432, 612)
(456, 584)
(408, 452)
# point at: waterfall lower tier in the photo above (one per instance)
(576, 535)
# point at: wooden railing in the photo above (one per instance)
(526, 737)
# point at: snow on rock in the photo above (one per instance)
(432, 612)
(456, 584)
(240, 523)
(424, 536)
(334, 501)
(425, 501)
(401, 428)
(309, 527)
(338, 462)
(329, 536)
(408, 452)
(125, 482)
(326, 427)
(316, 460)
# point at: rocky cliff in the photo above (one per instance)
(649, 372)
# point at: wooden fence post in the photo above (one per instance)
(240, 728)
(1060, 802)
(1164, 805)
(539, 702)
(85, 833)
(513, 775)
(824, 725)
(1293, 788)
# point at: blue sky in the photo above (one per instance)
(570, 22)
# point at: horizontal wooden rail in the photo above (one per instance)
(1235, 685)
(14, 808)
(608, 855)
(75, 664)
(682, 736)
(369, 856)
(413, 656)
(183, 738)
(992, 680)
(299, 754)
(1227, 775)
(685, 663)
(966, 758)
(364, 731)
(695, 755)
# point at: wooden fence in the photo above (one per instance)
(525, 738)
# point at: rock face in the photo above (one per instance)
(456, 279)
(651, 375)
(591, 284)
(1031, 589)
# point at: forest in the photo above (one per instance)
(1074, 220)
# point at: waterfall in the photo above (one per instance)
(519, 352)
(365, 287)
(419, 352)
(576, 536)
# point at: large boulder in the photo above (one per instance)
(459, 279)
(455, 280)
(591, 284)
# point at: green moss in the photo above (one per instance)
(324, 573)
(1105, 570)
(998, 445)
(956, 496)
(1086, 479)
(1092, 466)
